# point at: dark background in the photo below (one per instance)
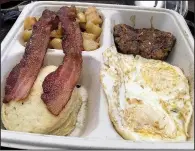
(9, 17)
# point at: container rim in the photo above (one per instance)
(28, 7)
(44, 141)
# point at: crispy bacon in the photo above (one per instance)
(58, 85)
(23, 75)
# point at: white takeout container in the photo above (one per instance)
(99, 132)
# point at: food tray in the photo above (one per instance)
(99, 132)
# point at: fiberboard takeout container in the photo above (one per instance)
(99, 132)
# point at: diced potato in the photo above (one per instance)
(25, 44)
(90, 9)
(90, 45)
(89, 27)
(56, 43)
(59, 25)
(79, 10)
(94, 29)
(94, 17)
(29, 22)
(57, 33)
(26, 35)
(50, 46)
(98, 40)
(82, 26)
(88, 36)
(81, 17)
(37, 18)
(77, 20)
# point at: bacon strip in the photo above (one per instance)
(23, 75)
(58, 85)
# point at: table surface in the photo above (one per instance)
(8, 24)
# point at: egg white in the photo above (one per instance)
(122, 80)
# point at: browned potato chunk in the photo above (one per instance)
(57, 33)
(94, 29)
(25, 44)
(90, 9)
(81, 17)
(56, 43)
(79, 10)
(88, 36)
(60, 27)
(26, 35)
(37, 18)
(29, 22)
(90, 45)
(77, 20)
(98, 40)
(94, 17)
(89, 27)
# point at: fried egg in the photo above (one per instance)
(147, 99)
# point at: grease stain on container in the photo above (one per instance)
(132, 19)
(185, 33)
(113, 24)
(151, 22)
